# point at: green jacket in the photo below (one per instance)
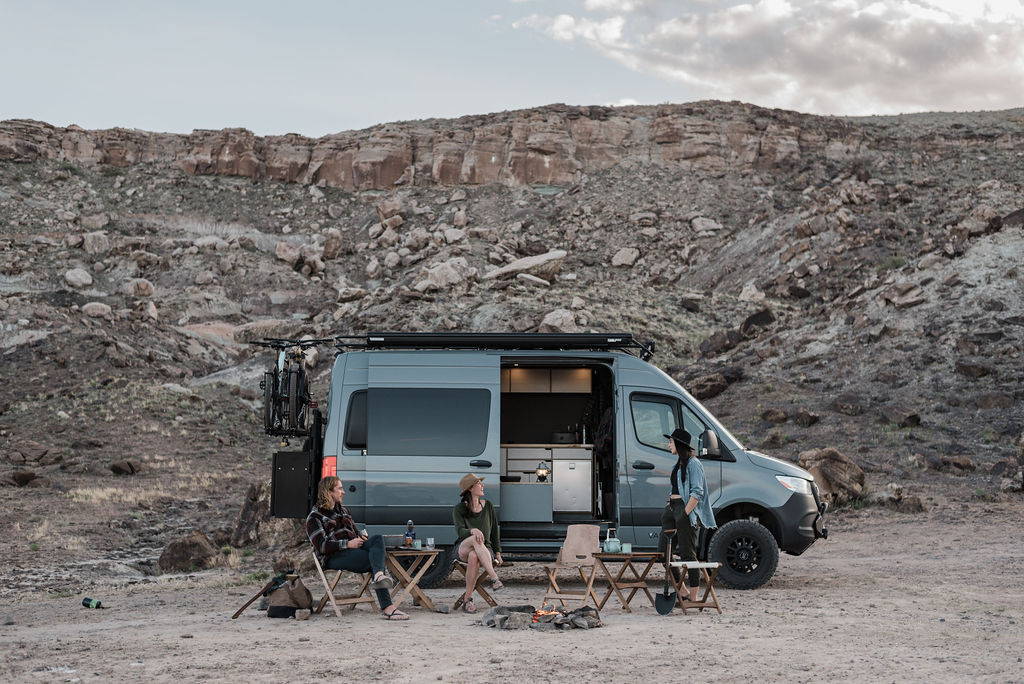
(485, 521)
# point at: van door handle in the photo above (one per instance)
(642, 465)
(480, 464)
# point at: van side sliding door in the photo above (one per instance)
(432, 417)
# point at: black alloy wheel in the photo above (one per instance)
(748, 553)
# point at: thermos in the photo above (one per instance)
(91, 603)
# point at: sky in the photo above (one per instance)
(324, 66)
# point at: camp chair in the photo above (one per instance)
(350, 600)
(463, 567)
(578, 549)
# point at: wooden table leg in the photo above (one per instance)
(410, 583)
(611, 583)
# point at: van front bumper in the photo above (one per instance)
(802, 522)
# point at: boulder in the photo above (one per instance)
(958, 465)
(759, 319)
(705, 225)
(626, 256)
(900, 416)
(445, 275)
(839, 479)
(287, 252)
(125, 467)
(848, 405)
(373, 268)
(453, 235)
(805, 418)
(558, 321)
(78, 277)
(972, 370)
(993, 400)
(332, 243)
(254, 512)
(96, 243)
(516, 620)
(19, 478)
(95, 221)
(96, 309)
(495, 616)
(545, 266)
(192, 552)
(388, 208)
(774, 415)
(719, 342)
(707, 386)
(335, 211)
(139, 287)
(460, 219)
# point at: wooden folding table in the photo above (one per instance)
(409, 577)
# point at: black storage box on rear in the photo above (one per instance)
(292, 484)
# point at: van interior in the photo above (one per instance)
(557, 444)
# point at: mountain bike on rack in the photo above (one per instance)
(286, 398)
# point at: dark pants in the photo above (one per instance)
(674, 518)
(367, 558)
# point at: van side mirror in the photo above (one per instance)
(709, 444)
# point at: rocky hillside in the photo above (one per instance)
(819, 282)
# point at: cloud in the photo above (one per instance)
(824, 56)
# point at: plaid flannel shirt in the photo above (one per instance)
(329, 530)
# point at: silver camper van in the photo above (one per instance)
(565, 428)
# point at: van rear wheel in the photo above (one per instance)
(748, 553)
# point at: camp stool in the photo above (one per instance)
(577, 553)
(350, 600)
(710, 598)
(478, 587)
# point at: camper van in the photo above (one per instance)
(564, 429)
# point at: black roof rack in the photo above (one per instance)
(561, 341)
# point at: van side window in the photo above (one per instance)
(693, 425)
(428, 421)
(653, 418)
(355, 423)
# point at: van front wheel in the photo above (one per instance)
(748, 554)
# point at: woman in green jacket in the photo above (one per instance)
(476, 526)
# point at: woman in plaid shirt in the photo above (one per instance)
(340, 546)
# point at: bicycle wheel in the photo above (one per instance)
(296, 399)
(269, 386)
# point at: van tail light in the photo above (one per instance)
(329, 467)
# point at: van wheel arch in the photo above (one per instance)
(745, 510)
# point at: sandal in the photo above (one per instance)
(468, 606)
(497, 585)
(394, 615)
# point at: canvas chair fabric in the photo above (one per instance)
(577, 553)
(349, 600)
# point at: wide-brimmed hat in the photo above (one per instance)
(468, 480)
(680, 436)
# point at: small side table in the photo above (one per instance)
(709, 599)
(410, 578)
(619, 582)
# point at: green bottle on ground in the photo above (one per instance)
(91, 603)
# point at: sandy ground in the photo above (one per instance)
(889, 597)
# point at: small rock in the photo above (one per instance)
(532, 279)
(139, 287)
(95, 221)
(287, 252)
(626, 256)
(900, 416)
(332, 243)
(848, 405)
(96, 309)
(96, 243)
(705, 225)
(972, 370)
(78, 277)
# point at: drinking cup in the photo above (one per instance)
(430, 542)
(417, 544)
(627, 547)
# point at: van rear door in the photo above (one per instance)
(432, 417)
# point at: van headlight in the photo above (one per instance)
(795, 484)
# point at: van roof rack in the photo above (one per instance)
(560, 341)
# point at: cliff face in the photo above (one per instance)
(550, 145)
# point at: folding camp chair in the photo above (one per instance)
(710, 598)
(350, 600)
(578, 549)
(477, 586)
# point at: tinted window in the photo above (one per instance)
(693, 425)
(428, 421)
(653, 418)
(355, 424)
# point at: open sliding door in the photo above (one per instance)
(432, 417)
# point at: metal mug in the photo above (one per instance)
(417, 544)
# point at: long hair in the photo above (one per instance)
(323, 491)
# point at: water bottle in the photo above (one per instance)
(91, 603)
(410, 533)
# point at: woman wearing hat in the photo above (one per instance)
(688, 506)
(478, 536)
